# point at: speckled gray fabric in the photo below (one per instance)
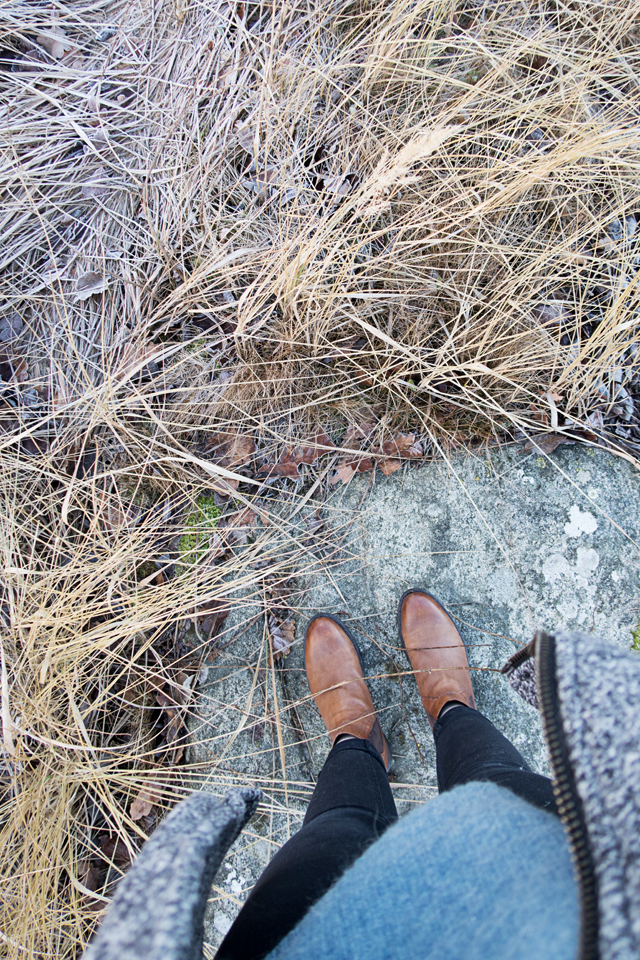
(523, 681)
(158, 909)
(599, 700)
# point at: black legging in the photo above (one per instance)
(352, 805)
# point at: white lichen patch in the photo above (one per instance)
(587, 561)
(580, 522)
(556, 567)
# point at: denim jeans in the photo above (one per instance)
(476, 874)
(351, 807)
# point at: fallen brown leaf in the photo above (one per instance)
(348, 468)
(113, 515)
(281, 636)
(540, 416)
(115, 851)
(137, 691)
(231, 449)
(89, 875)
(402, 445)
(144, 802)
(245, 137)
(596, 420)
(344, 473)
(341, 185)
(55, 42)
(357, 432)
(13, 368)
(97, 186)
(34, 445)
(389, 466)
(230, 486)
(236, 528)
(211, 616)
(285, 467)
(21, 372)
(264, 181)
(90, 284)
(546, 442)
(551, 313)
(308, 452)
(10, 327)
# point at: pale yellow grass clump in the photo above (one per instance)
(267, 218)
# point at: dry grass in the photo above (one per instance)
(291, 217)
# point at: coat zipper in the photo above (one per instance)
(567, 798)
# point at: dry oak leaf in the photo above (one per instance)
(341, 185)
(211, 616)
(245, 137)
(237, 527)
(89, 875)
(357, 432)
(231, 449)
(540, 416)
(144, 802)
(21, 372)
(96, 186)
(596, 420)
(546, 442)
(552, 313)
(112, 515)
(285, 467)
(348, 468)
(266, 181)
(281, 635)
(55, 43)
(308, 452)
(389, 466)
(89, 284)
(10, 327)
(402, 445)
(115, 851)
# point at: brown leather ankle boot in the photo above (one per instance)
(334, 672)
(436, 651)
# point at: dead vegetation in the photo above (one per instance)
(252, 250)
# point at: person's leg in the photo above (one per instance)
(475, 874)
(352, 804)
(468, 747)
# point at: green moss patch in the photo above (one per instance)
(199, 525)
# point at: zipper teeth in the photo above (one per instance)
(568, 808)
(516, 660)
